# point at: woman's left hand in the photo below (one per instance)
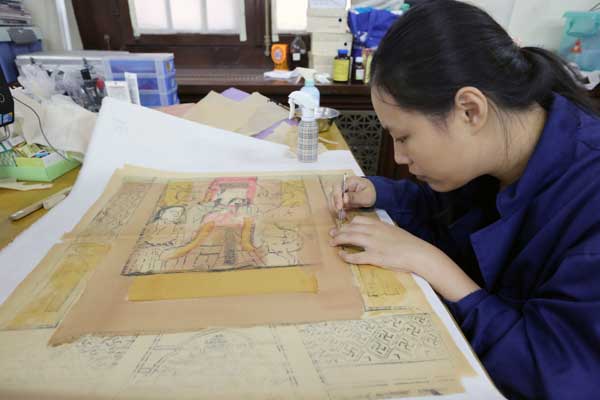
(384, 245)
(389, 246)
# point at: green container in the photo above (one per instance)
(34, 169)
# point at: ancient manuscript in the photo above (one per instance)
(398, 349)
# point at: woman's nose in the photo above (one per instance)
(401, 159)
(399, 156)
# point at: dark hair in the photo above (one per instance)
(440, 46)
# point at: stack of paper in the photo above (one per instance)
(12, 13)
(249, 116)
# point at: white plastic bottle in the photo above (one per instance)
(308, 130)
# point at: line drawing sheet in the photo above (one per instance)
(109, 221)
(382, 357)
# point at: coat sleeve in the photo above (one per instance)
(410, 205)
(550, 346)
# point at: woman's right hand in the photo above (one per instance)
(360, 192)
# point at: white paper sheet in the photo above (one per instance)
(130, 134)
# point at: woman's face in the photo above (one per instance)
(441, 155)
(172, 215)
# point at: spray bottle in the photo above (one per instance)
(308, 130)
(309, 83)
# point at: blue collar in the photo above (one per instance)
(553, 154)
(551, 158)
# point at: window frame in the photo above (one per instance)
(174, 31)
(195, 50)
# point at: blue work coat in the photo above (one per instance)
(535, 322)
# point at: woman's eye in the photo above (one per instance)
(402, 139)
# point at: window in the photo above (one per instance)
(187, 16)
(201, 33)
(289, 15)
(210, 16)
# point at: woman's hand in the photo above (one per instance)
(389, 246)
(384, 245)
(360, 192)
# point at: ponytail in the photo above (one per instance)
(550, 73)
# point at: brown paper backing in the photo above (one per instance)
(103, 307)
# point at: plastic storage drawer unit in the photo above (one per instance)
(70, 60)
(150, 81)
(141, 63)
(155, 98)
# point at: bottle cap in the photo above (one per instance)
(359, 59)
(309, 82)
(85, 74)
(342, 52)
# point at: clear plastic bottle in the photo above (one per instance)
(310, 88)
(308, 130)
(298, 51)
(308, 137)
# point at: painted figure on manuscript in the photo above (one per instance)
(226, 223)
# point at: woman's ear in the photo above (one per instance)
(471, 107)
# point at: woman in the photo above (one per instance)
(506, 227)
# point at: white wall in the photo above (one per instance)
(540, 22)
(534, 22)
(45, 17)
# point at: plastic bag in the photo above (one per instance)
(581, 39)
(66, 125)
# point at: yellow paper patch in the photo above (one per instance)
(190, 285)
(47, 306)
(293, 193)
(380, 282)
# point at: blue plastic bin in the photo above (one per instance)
(141, 63)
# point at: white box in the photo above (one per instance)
(327, 3)
(330, 43)
(321, 63)
(327, 12)
(324, 69)
(317, 59)
(327, 24)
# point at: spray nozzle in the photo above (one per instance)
(304, 100)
